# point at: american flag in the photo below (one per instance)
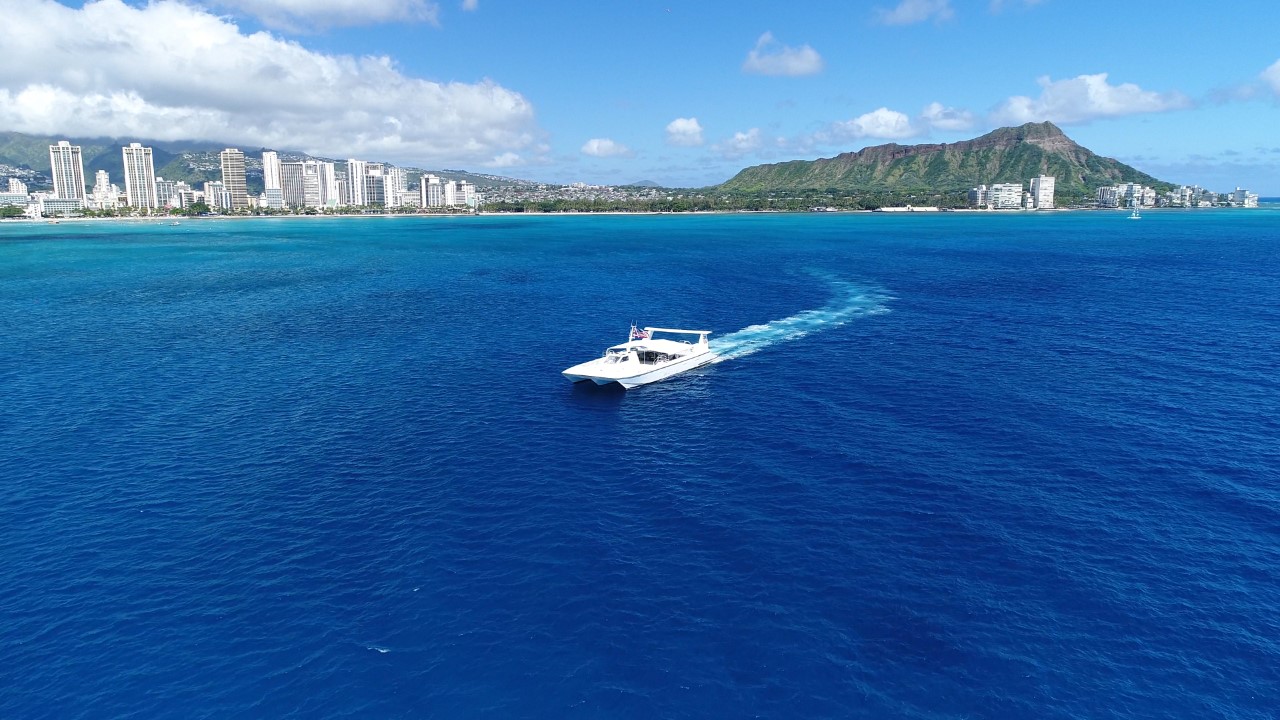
(638, 334)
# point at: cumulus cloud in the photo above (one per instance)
(881, 123)
(308, 14)
(1084, 98)
(946, 118)
(506, 159)
(169, 71)
(769, 57)
(742, 143)
(909, 12)
(604, 147)
(1271, 76)
(685, 132)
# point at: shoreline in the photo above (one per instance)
(895, 211)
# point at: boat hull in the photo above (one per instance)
(646, 375)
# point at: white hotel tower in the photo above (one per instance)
(1042, 192)
(272, 181)
(233, 177)
(139, 176)
(68, 171)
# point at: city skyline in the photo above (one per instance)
(292, 186)
(310, 184)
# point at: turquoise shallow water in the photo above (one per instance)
(952, 466)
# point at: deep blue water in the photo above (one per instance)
(954, 466)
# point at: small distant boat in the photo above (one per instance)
(175, 222)
(644, 358)
(1135, 215)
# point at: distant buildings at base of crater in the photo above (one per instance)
(1187, 196)
(1039, 196)
(1012, 196)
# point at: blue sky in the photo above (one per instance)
(684, 94)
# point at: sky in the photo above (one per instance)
(683, 94)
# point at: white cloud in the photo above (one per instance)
(742, 143)
(306, 14)
(604, 147)
(946, 118)
(768, 58)
(909, 12)
(169, 71)
(470, 5)
(1271, 76)
(881, 123)
(1084, 98)
(685, 132)
(506, 159)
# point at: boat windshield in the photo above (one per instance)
(616, 355)
(681, 336)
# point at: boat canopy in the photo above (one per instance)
(673, 330)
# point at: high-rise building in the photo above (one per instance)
(272, 199)
(375, 185)
(233, 178)
(1244, 198)
(978, 196)
(216, 195)
(429, 191)
(395, 185)
(165, 192)
(344, 187)
(1005, 196)
(330, 196)
(1042, 192)
(16, 186)
(291, 186)
(356, 171)
(139, 176)
(105, 196)
(450, 193)
(301, 183)
(11, 199)
(184, 194)
(68, 171)
(1109, 196)
(270, 170)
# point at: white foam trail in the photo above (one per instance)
(850, 301)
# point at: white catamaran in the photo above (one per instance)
(1135, 215)
(645, 358)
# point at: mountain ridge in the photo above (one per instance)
(1008, 154)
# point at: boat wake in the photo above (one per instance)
(850, 301)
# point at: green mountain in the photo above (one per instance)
(1014, 154)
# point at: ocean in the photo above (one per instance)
(957, 465)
